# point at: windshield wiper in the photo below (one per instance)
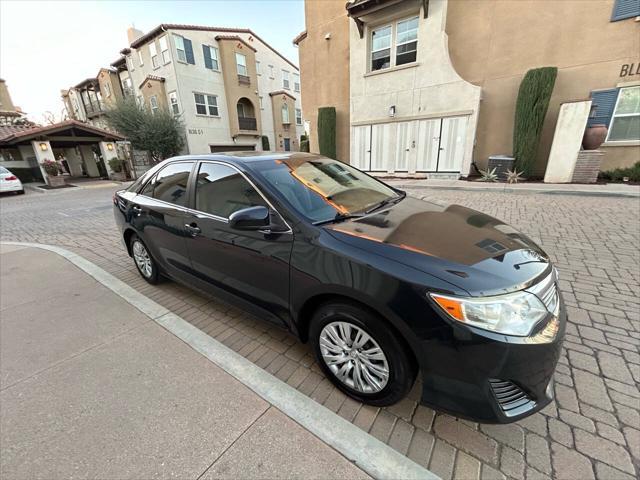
(385, 202)
(339, 218)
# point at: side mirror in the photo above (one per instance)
(251, 218)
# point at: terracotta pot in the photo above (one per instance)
(594, 136)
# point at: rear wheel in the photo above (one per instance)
(145, 263)
(360, 354)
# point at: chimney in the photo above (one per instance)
(133, 34)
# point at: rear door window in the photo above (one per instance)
(170, 184)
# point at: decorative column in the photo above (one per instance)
(89, 160)
(74, 161)
(109, 152)
(42, 150)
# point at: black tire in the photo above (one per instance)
(151, 275)
(21, 192)
(401, 370)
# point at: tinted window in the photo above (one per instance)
(221, 190)
(170, 185)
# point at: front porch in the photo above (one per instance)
(80, 150)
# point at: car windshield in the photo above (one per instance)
(322, 189)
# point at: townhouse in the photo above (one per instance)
(232, 90)
(428, 87)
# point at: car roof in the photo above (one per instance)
(247, 158)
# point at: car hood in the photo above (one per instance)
(466, 248)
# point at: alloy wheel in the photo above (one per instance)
(142, 259)
(354, 357)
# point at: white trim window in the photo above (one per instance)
(130, 63)
(296, 82)
(153, 52)
(241, 64)
(206, 104)
(298, 116)
(164, 50)
(258, 68)
(213, 57)
(394, 44)
(285, 113)
(625, 122)
(261, 101)
(107, 90)
(180, 50)
(140, 59)
(285, 79)
(272, 74)
(173, 103)
(153, 103)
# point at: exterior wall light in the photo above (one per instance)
(392, 111)
(110, 146)
(44, 147)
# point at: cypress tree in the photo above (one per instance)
(327, 131)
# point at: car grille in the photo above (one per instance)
(547, 291)
(511, 398)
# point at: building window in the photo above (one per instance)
(296, 82)
(406, 41)
(241, 64)
(164, 50)
(285, 113)
(184, 48)
(271, 72)
(130, 63)
(173, 101)
(206, 104)
(285, 79)
(625, 123)
(126, 86)
(107, 90)
(298, 116)
(261, 104)
(153, 103)
(387, 51)
(258, 70)
(153, 52)
(140, 59)
(625, 9)
(210, 57)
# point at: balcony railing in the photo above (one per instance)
(94, 109)
(247, 123)
(244, 80)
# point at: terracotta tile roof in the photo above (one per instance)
(281, 92)
(235, 38)
(87, 81)
(151, 77)
(174, 26)
(12, 133)
(119, 62)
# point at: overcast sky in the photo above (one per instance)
(52, 45)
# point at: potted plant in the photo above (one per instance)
(54, 173)
(117, 168)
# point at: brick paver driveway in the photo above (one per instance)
(593, 428)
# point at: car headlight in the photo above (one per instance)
(511, 314)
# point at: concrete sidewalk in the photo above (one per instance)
(92, 387)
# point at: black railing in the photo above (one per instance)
(247, 123)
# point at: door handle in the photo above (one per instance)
(193, 229)
(136, 209)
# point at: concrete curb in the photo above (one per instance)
(368, 453)
(523, 191)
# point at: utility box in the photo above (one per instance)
(501, 163)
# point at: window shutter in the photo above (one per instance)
(188, 51)
(206, 52)
(605, 102)
(625, 9)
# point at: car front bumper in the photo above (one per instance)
(491, 378)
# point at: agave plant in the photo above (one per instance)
(489, 175)
(514, 177)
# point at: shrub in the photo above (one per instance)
(51, 167)
(531, 108)
(327, 131)
(116, 165)
(265, 143)
(618, 174)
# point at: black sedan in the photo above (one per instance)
(383, 285)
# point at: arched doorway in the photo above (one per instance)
(246, 115)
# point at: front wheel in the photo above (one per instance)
(145, 263)
(360, 354)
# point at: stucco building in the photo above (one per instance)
(229, 87)
(431, 85)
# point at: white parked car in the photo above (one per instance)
(9, 182)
